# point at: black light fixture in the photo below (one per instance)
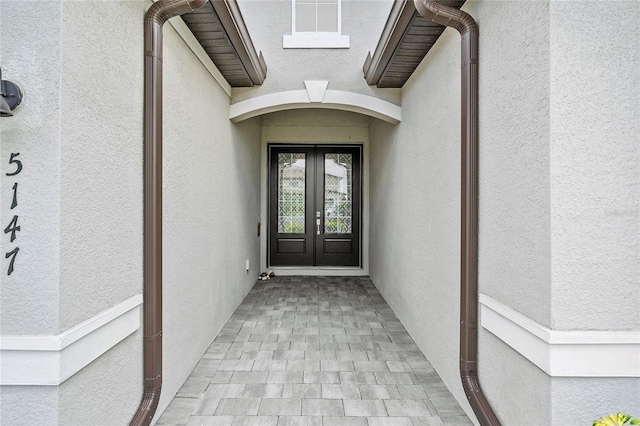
(10, 98)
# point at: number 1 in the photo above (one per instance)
(15, 196)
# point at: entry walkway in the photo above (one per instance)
(314, 351)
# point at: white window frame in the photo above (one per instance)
(315, 40)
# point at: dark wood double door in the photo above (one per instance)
(314, 205)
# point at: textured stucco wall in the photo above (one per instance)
(29, 297)
(101, 197)
(415, 210)
(269, 20)
(28, 405)
(107, 391)
(81, 138)
(415, 192)
(579, 401)
(595, 191)
(100, 157)
(558, 197)
(595, 123)
(211, 206)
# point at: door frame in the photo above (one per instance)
(359, 223)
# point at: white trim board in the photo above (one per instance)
(52, 359)
(563, 353)
(315, 41)
(316, 96)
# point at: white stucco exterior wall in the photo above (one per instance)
(81, 140)
(558, 230)
(595, 191)
(29, 296)
(595, 123)
(31, 59)
(101, 197)
(415, 209)
(269, 20)
(211, 206)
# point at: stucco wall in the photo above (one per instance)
(595, 191)
(595, 123)
(29, 296)
(211, 207)
(269, 20)
(415, 189)
(558, 230)
(415, 210)
(29, 302)
(101, 197)
(81, 139)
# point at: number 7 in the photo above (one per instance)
(13, 253)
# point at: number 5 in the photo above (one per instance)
(17, 162)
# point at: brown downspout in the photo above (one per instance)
(468, 29)
(154, 20)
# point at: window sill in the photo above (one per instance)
(315, 41)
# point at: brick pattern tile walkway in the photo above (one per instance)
(314, 351)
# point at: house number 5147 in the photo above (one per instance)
(13, 227)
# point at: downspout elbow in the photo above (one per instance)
(161, 11)
(447, 16)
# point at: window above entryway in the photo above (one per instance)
(316, 24)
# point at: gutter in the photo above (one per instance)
(154, 20)
(468, 29)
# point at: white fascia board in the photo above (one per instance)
(50, 360)
(185, 33)
(332, 99)
(563, 353)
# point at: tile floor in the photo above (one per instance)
(314, 351)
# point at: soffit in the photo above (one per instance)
(220, 29)
(405, 41)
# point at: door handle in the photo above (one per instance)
(318, 225)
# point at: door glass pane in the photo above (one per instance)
(291, 193)
(338, 189)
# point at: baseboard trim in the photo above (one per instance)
(563, 353)
(51, 359)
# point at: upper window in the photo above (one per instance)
(316, 24)
(316, 16)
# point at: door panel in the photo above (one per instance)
(291, 198)
(314, 206)
(338, 201)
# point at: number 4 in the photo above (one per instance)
(12, 227)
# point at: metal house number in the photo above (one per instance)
(13, 226)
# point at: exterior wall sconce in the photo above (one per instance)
(11, 97)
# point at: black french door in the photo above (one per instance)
(314, 205)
